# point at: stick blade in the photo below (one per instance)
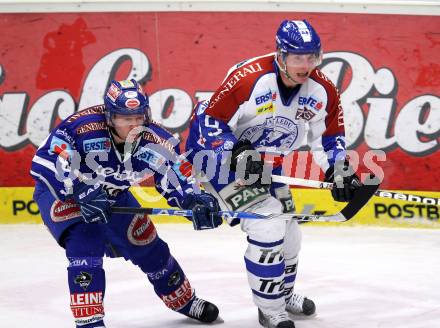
(361, 197)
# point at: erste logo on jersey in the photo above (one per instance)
(260, 99)
(310, 101)
(97, 144)
(304, 111)
(153, 158)
(279, 132)
(266, 100)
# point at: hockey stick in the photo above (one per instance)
(380, 193)
(227, 214)
(180, 212)
(361, 197)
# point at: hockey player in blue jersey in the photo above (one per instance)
(265, 108)
(86, 165)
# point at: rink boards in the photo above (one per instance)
(17, 206)
(388, 81)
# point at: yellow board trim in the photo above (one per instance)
(17, 206)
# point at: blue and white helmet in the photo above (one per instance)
(298, 37)
(126, 97)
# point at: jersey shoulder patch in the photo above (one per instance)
(330, 89)
(238, 86)
(158, 126)
(319, 77)
(159, 130)
(334, 119)
(157, 135)
(94, 110)
(85, 121)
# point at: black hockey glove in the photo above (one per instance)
(205, 209)
(345, 181)
(245, 156)
(93, 203)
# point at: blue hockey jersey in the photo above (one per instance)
(81, 150)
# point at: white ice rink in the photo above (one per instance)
(358, 278)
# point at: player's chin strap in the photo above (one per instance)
(113, 132)
(361, 197)
(284, 69)
(380, 193)
(111, 127)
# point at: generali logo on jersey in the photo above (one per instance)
(240, 73)
(412, 126)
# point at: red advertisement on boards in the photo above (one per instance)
(386, 67)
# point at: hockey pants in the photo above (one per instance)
(271, 256)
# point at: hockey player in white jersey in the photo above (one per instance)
(263, 108)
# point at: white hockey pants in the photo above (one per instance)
(271, 256)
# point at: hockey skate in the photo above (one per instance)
(202, 310)
(298, 304)
(277, 320)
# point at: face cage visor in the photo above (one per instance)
(128, 119)
(293, 60)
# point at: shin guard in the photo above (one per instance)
(87, 287)
(265, 267)
(86, 277)
(172, 286)
(290, 276)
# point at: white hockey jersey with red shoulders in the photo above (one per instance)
(249, 106)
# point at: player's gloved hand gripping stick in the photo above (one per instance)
(93, 203)
(204, 209)
(380, 193)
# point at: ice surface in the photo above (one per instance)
(358, 277)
